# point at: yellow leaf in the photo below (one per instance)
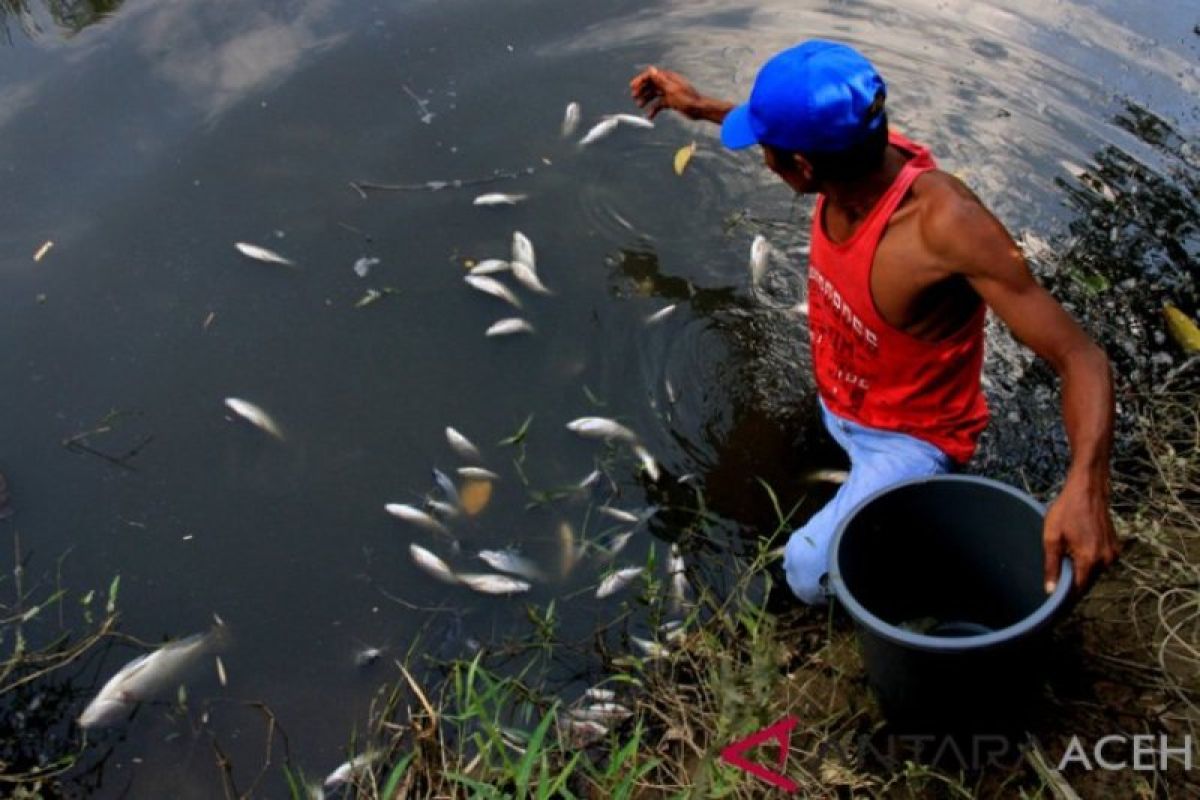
(682, 156)
(475, 496)
(1182, 328)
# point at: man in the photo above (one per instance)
(905, 260)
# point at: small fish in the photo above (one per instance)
(672, 396)
(650, 649)
(254, 415)
(508, 326)
(571, 119)
(490, 266)
(432, 565)
(602, 712)
(528, 277)
(569, 549)
(444, 509)
(366, 656)
(447, 486)
(601, 428)
(617, 581)
(145, 677)
(598, 131)
(362, 267)
(478, 474)
(648, 462)
(584, 732)
(600, 695)
(837, 476)
(462, 445)
(591, 479)
(617, 543)
(760, 253)
(499, 199)
(41, 251)
(262, 254)
(679, 582)
(620, 514)
(631, 119)
(495, 288)
(348, 771)
(494, 584)
(661, 314)
(222, 678)
(417, 517)
(513, 562)
(522, 250)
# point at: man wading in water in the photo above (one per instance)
(904, 258)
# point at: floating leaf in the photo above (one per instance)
(474, 496)
(1182, 328)
(1093, 282)
(682, 156)
(113, 588)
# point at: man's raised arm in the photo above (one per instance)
(666, 89)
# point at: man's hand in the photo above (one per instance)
(1078, 525)
(666, 89)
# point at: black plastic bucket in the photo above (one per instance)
(944, 579)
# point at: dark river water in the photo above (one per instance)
(144, 138)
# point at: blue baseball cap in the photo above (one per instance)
(817, 97)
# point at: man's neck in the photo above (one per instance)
(855, 199)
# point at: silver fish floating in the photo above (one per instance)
(679, 582)
(649, 649)
(598, 131)
(569, 549)
(462, 445)
(444, 509)
(632, 120)
(431, 564)
(602, 712)
(522, 250)
(508, 326)
(499, 199)
(447, 486)
(478, 474)
(362, 267)
(527, 276)
(589, 480)
(145, 677)
(584, 732)
(661, 314)
(618, 542)
(837, 476)
(489, 266)
(262, 254)
(601, 428)
(494, 584)
(366, 656)
(760, 253)
(648, 462)
(417, 517)
(617, 581)
(349, 770)
(495, 288)
(571, 119)
(254, 415)
(598, 695)
(620, 514)
(512, 562)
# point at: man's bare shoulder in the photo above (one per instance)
(953, 222)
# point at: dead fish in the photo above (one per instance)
(490, 266)
(262, 254)
(478, 474)
(569, 549)
(432, 565)
(499, 199)
(494, 584)
(508, 326)
(417, 517)
(617, 581)
(601, 428)
(447, 486)
(602, 712)
(513, 562)
(522, 250)
(528, 277)
(348, 771)
(661, 314)
(462, 445)
(591, 479)
(222, 678)
(598, 131)
(495, 288)
(648, 462)
(145, 677)
(571, 119)
(366, 656)
(838, 476)
(254, 415)
(679, 582)
(760, 253)
(618, 542)
(583, 732)
(600, 695)
(444, 509)
(620, 514)
(631, 119)
(362, 267)
(670, 389)
(649, 649)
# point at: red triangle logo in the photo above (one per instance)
(780, 732)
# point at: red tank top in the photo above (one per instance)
(872, 373)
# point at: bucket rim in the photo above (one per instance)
(1040, 617)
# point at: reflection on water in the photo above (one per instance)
(247, 122)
